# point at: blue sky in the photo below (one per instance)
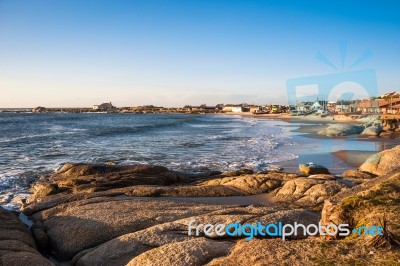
(70, 53)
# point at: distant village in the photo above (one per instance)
(385, 104)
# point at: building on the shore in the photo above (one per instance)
(389, 103)
(304, 107)
(369, 106)
(227, 108)
(240, 108)
(104, 107)
(254, 108)
(343, 106)
(319, 105)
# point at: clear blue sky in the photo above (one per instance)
(171, 53)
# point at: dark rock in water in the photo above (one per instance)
(312, 169)
(374, 130)
(17, 247)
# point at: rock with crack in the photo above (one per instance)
(17, 246)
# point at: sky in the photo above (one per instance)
(74, 53)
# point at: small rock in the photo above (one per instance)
(312, 169)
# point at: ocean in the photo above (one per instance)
(35, 144)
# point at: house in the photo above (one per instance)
(389, 105)
(227, 108)
(254, 108)
(343, 106)
(319, 105)
(369, 106)
(237, 108)
(304, 106)
(104, 107)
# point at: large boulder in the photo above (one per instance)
(17, 246)
(341, 130)
(373, 130)
(312, 169)
(383, 162)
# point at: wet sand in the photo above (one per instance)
(338, 154)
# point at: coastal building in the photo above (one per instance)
(104, 107)
(254, 108)
(343, 107)
(227, 108)
(389, 105)
(237, 108)
(304, 107)
(369, 106)
(319, 105)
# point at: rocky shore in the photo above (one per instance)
(89, 214)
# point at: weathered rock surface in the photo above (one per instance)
(368, 204)
(17, 247)
(341, 130)
(312, 251)
(382, 162)
(251, 184)
(80, 225)
(96, 215)
(358, 174)
(312, 169)
(125, 248)
(191, 252)
(309, 191)
(373, 130)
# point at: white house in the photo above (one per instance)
(237, 108)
